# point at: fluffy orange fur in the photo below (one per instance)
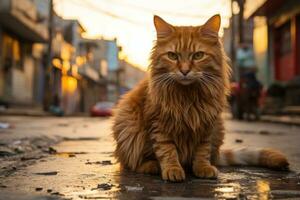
(172, 120)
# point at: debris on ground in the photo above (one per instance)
(53, 173)
(51, 150)
(264, 132)
(134, 188)
(5, 152)
(38, 189)
(4, 125)
(30, 158)
(81, 139)
(103, 186)
(238, 140)
(104, 162)
(57, 193)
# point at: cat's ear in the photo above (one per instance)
(212, 26)
(163, 29)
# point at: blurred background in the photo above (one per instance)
(72, 57)
(78, 57)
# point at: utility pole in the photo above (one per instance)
(48, 64)
(241, 4)
(232, 44)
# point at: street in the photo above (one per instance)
(72, 158)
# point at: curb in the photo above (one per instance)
(287, 120)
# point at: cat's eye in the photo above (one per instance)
(172, 55)
(198, 55)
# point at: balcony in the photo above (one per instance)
(21, 18)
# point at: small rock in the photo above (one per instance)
(19, 149)
(263, 132)
(104, 186)
(104, 162)
(27, 158)
(47, 173)
(5, 153)
(72, 155)
(49, 190)
(38, 189)
(57, 193)
(51, 150)
(238, 140)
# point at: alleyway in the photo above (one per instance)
(81, 165)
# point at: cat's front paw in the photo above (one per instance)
(174, 174)
(207, 171)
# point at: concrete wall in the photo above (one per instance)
(22, 82)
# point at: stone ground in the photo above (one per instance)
(71, 158)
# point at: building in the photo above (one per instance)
(94, 71)
(84, 69)
(113, 66)
(276, 40)
(232, 41)
(82, 72)
(22, 32)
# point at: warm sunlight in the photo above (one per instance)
(131, 20)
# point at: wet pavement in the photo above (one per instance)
(80, 164)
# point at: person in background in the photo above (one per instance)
(250, 87)
(245, 59)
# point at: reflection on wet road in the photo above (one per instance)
(85, 171)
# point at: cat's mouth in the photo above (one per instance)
(185, 80)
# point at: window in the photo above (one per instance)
(14, 51)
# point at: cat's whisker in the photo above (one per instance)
(205, 80)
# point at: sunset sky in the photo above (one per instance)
(130, 21)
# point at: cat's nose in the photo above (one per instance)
(184, 68)
(185, 71)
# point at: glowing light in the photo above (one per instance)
(69, 84)
(57, 63)
(260, 35)
(80, 60)
(65, 67)
(137, 39)
(66, 51)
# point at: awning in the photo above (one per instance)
(88, 72)
(269, 7)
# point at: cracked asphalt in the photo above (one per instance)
(71, 158)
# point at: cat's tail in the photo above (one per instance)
(268, 158)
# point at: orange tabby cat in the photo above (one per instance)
(172, 120)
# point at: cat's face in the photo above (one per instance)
(187, 54)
